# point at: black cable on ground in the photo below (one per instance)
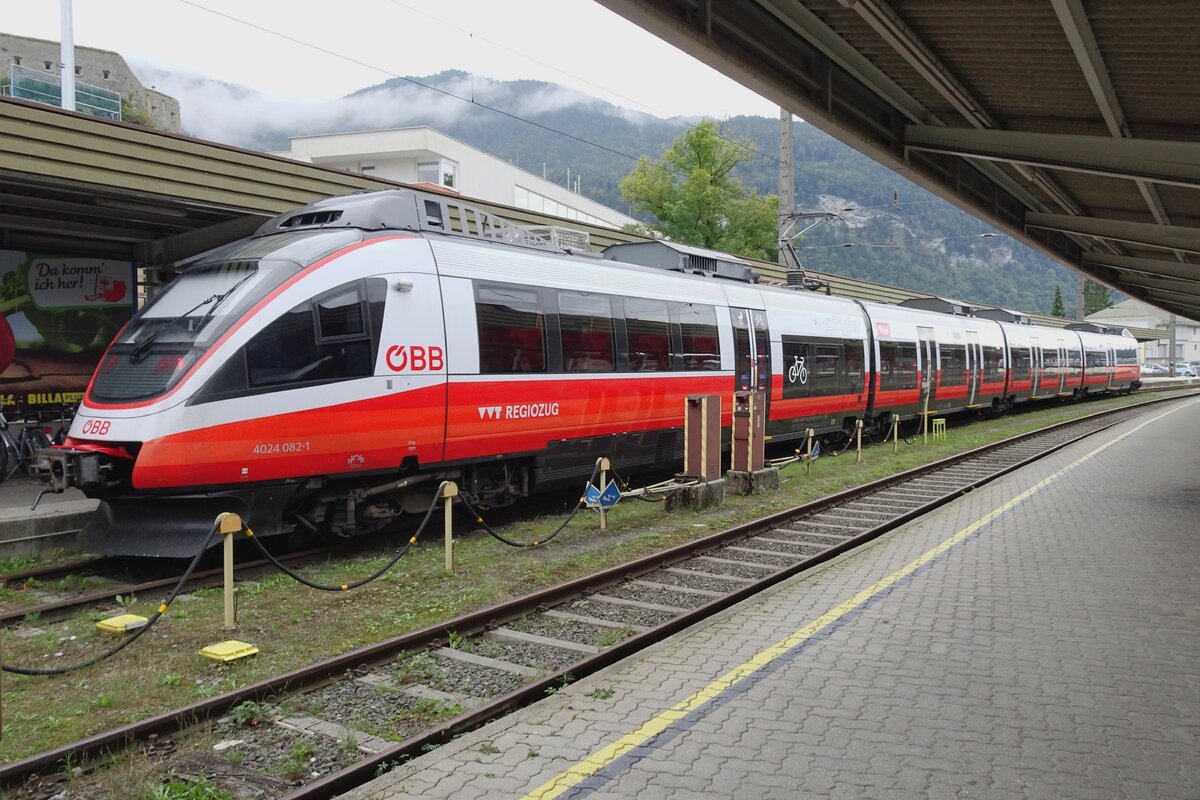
(133, 636)
(345, 587)
(536, 542)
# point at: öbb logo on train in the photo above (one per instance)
(96, 427)
(415, 358)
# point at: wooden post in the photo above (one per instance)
(449, 491)
(808, 461)
(604, 467)
(858, 436)
(895, 433)
(229, 525)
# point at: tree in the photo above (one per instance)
(695, 199)
(1057, 308)
(1095, 297)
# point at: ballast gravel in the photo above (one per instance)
(569, 630)
(628, 615)
(645, 594)
(712, 583)
(546, 659)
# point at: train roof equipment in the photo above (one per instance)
(1004, 315)
(682, 258)
(943, 305)
(1095, 327)
(425, 212)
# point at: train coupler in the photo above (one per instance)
(61, 469)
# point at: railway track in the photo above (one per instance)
(76, 599)
(416, 691)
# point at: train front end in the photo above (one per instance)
(143, 433)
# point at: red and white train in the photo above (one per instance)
(328, 371)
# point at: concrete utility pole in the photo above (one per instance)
(1171, 344)
(1080, 303)
(67, 48)
(787, 178)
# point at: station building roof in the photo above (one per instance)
(1073, 126)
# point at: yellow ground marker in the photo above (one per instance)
(603, 757)
(228, 651)
(123, 623)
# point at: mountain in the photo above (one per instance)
(900, 234)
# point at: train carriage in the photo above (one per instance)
(327, 372)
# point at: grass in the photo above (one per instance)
(293, 626)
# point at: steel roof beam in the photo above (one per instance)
(1148, 266)
(1182, 287)
(1170, 162)
(1168, 237)
(1075, 24)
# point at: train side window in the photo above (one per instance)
(340, 315)
(648, 323)
(825, 369)
(897, 365)
(1096, 359)
(953, 364)
(512, 330)
(1021, 363)
(1074, 359)
(324, 339)
(698, 325)
(993, 362)
(586, 324)
(854, 365)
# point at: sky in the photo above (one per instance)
(299, 52)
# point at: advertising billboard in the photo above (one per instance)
(57, 316)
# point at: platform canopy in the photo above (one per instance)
(1074, 126)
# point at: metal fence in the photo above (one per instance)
(43, 87)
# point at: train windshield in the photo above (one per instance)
(165, 338)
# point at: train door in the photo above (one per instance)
(752, 352)
(1035, 366)
(928, 353)
(974, 362)
(1112, 367)
(1062, 366)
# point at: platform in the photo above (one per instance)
(1039, 637)
(48, 528)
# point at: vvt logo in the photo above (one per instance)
(489, 412)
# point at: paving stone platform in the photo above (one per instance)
(1037, 638)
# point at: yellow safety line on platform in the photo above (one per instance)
(603, 757)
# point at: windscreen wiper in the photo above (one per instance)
(139, 351)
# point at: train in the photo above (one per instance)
(326, 373)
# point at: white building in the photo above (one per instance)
(1136, 314)
(423, 155)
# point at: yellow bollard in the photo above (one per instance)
(809, 446)
(858, 437)
(605, 465)
(449, 490)
(229, 526)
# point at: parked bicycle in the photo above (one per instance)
(66, 415)
(18, 450)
